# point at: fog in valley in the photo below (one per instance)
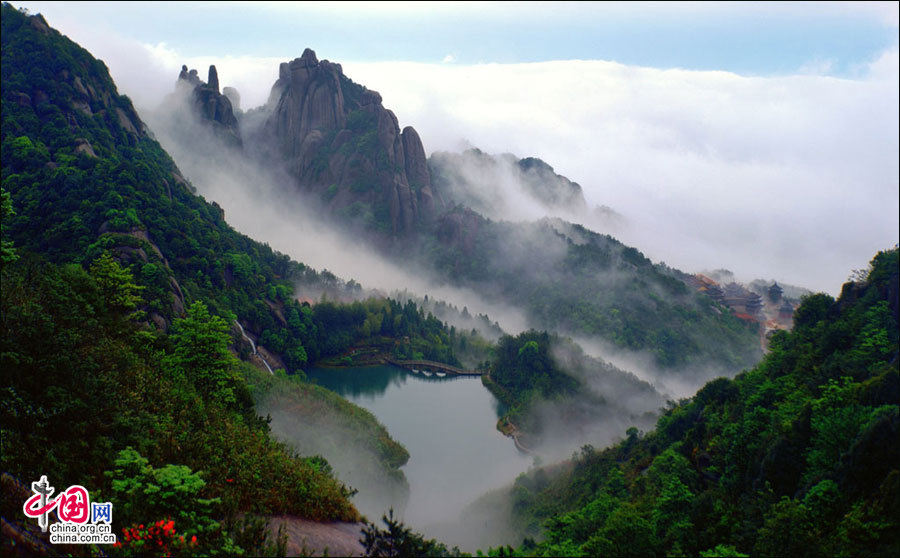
(671, 385)
(789, 177)
(785, 174)
(357, 465)
(786, 177)
(264, 203)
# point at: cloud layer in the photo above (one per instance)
(791, 177)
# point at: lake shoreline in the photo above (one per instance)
(447, 424)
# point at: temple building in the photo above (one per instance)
(775, 292)
(753, 303)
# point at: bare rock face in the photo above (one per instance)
(188, 78)
(126, 122)
(213, 81)
(210, 106)
(338, 140)
(310, 100)
(416, 165)
(40, 24)
(84, 146)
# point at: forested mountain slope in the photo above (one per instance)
(796, 457)
(554, 394)
(345, 156)
(120, 292)
(86, 176)
(574, 281)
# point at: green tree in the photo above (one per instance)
(836, 420)
(7, 252)
(528, 352)
(116, 283)
(723, 551)
(789, 530)
(142, 493)
(398, 540)
(626, 533)
(201, 351)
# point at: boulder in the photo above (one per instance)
(80, 88)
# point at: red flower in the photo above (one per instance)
(194, 539)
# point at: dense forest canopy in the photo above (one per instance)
(797, 456)
(126, 298)
(120, 290)
(66, 132)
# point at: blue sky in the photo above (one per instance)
(745, 38)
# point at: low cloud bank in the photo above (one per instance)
(789, 177)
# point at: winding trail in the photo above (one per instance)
(252, 344)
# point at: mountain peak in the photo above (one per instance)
(339, 141)
(308, 58)
(213, 81)
(209, 104)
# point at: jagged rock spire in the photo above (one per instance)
(318, 119)
(210, 105)
(213, 81)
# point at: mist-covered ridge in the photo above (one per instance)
(120, 288)
(562, 276)
(504, 186)
(336, 142)
(796, 456)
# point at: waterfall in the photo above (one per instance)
(252, 344)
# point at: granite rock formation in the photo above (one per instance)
(339, 141)
(211, 106)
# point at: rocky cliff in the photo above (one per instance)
(211, 106)
(338, 141)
